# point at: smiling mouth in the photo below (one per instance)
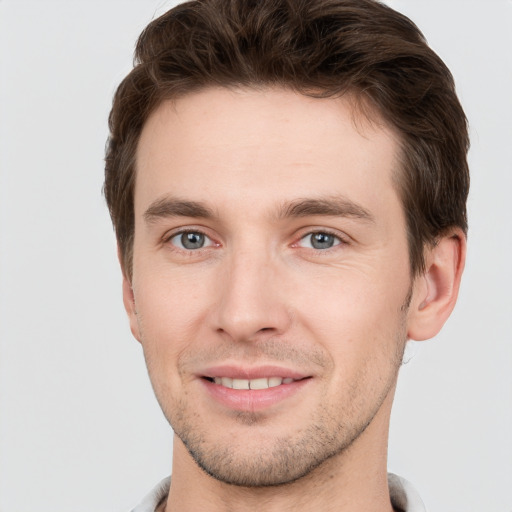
(252, 389)
(247, 384)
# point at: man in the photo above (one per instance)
(287, 180)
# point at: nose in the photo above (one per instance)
(252, 300)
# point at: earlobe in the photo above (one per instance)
(436, 291)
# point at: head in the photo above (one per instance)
(272, 170)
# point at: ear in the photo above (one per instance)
(436, 290)
(129, 301)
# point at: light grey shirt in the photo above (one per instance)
(403, 496)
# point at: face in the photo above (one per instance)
(270, 277)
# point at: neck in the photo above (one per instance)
(355, 479)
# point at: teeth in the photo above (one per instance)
(262, 383)
(227, 382)
(274, 381)
(240, 384)
(258, 383)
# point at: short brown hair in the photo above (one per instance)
(320, 48)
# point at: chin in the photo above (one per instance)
(268, 460)
(263, 470)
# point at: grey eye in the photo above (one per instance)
(320, 240)
(190, 240)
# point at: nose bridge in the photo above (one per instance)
(250, 301)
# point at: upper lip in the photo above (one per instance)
(247, 372)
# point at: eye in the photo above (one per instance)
(320, 240)
(190, 240)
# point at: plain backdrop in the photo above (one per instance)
(79, 427)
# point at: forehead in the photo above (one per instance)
(257, 147)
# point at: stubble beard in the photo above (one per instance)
(280, 461)
(286, 459)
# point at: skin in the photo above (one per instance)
(256, 172)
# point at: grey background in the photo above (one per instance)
(79, 427)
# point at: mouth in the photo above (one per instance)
(252, 389)
(259, 383)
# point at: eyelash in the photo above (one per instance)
(168, 239)
(211, 243)
(339, 240)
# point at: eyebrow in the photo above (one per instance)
(173, 207)
(336, 206)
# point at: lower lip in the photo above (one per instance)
(252, 400)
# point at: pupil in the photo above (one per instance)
(192, 240)
(322, 240)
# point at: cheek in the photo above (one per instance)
(364, 336)
(356, 319)
(171, 303)
(171, 313)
